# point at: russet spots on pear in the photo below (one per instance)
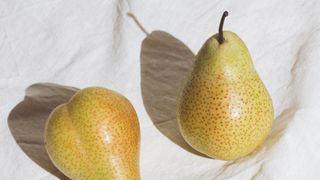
(224, 110)
(95, 136)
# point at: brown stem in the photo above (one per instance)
(220, 36)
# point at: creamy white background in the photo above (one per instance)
(83, 43)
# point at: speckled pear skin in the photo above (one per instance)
(225, 110)
(95, 136)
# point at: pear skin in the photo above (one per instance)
(224, 110)
(95, 136)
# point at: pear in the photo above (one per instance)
(224, 110)
(95, 136)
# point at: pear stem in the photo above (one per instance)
(220, 36)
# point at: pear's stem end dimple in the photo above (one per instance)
(220, 36)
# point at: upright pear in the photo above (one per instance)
(95, 136)
(224, 110)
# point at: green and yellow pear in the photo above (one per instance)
(95, 136)
(224, 110)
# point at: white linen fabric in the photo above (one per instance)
(84, 43)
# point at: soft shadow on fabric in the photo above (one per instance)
(165, 64)
(27, 121)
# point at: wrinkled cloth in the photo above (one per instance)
(144, 50)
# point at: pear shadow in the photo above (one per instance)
(27, 121)
(165, 64)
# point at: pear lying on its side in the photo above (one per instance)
(95, 136)
(225, 110)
